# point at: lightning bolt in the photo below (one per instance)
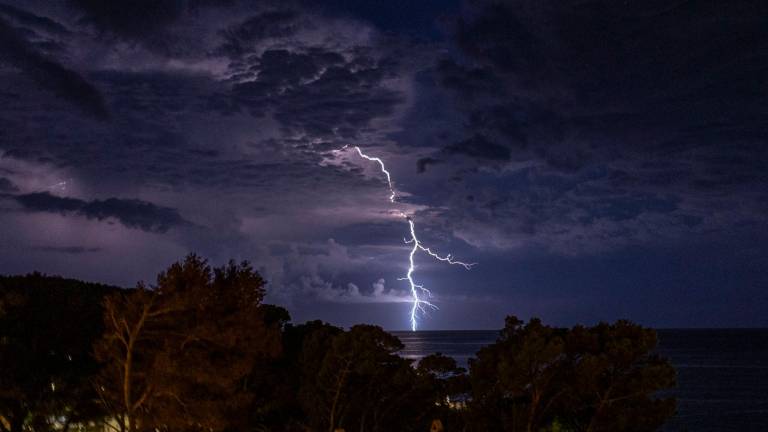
(383, 169)
(418, 291)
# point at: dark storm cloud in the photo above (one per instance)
(479, 147)
(270, 24)
(572, 130)
(134, 18)
(47, 73)
(652, 77)
(317, 92)
(29, 20)
(370, 234)
(423, 163)
(132, 213)
(314, 94)
(615, 110)
(7, 185)
(234, 103)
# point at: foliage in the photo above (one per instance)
(361, 383)
(47, 327)
(601, 378)
(178, 356)
(450, 387)
(199, 351)
(614, 378)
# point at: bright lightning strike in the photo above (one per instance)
(418, 292)
(383, 169)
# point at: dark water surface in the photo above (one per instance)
(722, 376)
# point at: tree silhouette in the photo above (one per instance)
(285, 385)
(200, 352)
(513, 379)
(601, 378)
(449, 386)
(47, 327)
(178, 356)
(135, 325)
(355, 380)
(614, 376)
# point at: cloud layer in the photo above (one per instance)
(132, 213)
(526, 135)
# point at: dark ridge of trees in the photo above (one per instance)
(199, 351)
(179, 356)
(601, 378)
(47, 327)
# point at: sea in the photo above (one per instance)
(722, 374)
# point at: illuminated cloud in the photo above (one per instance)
(520, 137)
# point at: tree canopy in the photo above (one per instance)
(601, 378)
(47, 327)
(178, 356)
(198, 350)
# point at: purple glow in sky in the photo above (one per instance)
(601, 159)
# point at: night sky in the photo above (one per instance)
(597, 159)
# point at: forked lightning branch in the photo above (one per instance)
(419, 294)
